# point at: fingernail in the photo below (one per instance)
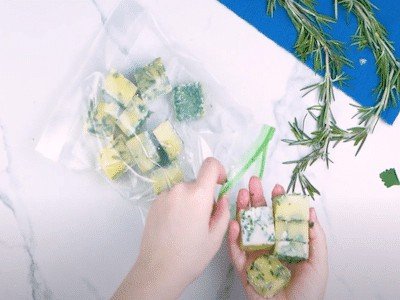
(313, 215)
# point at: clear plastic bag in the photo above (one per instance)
(145, 114)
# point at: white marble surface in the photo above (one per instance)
(67, 235)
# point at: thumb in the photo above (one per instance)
(219, 221)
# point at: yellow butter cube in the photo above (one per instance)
(168, 139)
(292, 231)
(119, 87)
(291, 207)
(120, 144)
(133, 117)
(256, 228)
(165, 178)
(268, 275)
(291, 252)
(144, 152)
(102, 117)
(111, 163)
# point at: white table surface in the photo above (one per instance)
(67, 235)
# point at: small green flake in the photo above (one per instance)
(188, 101)
(389, 178)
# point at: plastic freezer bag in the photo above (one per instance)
(145, 114)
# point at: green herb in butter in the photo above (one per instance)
(188, 101)
(101, 118)
(152, 80)
(144, 152)
(120, 88)
(133, 117)
(291, 252)
(168, 139)
(268, 275)
(291, 207)
(111, 163)
(257, 228)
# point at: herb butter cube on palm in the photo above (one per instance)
(111, 163)
(291, 231)
(120, 88)
(268, 276)
(257, 228)
(291, 227)
(188, 101)
(168, 139)
(144, 152)
(152, 80)
(291, 207)
(291, 251)
(165, 178)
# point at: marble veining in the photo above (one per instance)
(10, 200)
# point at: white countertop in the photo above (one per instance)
(67, 235)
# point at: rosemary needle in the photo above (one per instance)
(328, 56)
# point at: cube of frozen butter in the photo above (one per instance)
(291, 207)
(152, 80)
(257, 228)
(292, 231)
(168, 139)
(120, 144)
(144, 152)
(165, 178)
(111, 163)
(188, 101)
(101, 118)
(268, 275)
(133, 117)
(291, 251)
(120, 88)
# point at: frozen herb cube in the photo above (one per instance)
(120, 144)
(144, 152)
(152, 80)
(120, 88)
(292, 231)
(188, 101)
(168, 139)
(291, 251)
(111, 163)
(133, 117)
(291, 207)
(165, 178)
(268, 275)
(257, 228)
(101, 118)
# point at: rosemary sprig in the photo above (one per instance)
(370, 33)
(328, 57)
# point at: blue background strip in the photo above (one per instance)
(363, 78)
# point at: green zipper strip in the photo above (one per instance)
(260, 148)
(262, 163)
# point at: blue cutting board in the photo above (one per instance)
(363, 78)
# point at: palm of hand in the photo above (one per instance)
(308, 279)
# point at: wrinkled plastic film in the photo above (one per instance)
(103, 126)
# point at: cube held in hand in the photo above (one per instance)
(257, 228)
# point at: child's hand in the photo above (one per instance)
(181, 236)
(308, 278)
